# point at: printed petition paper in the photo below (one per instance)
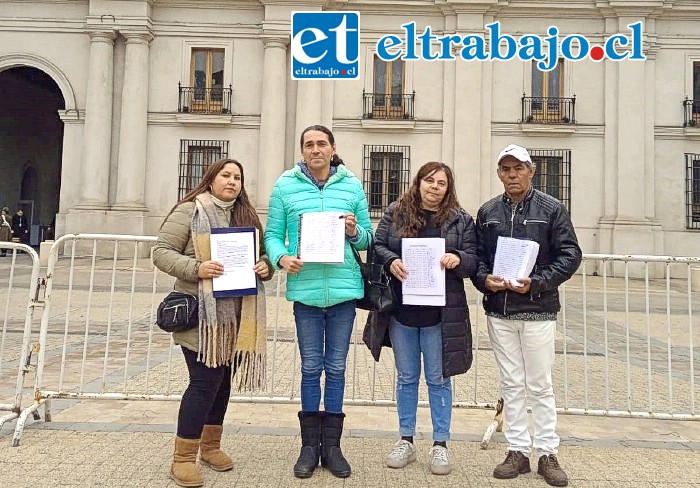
(322, 237)
(515, 258)
(425, 284)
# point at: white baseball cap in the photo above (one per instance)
(518, 152)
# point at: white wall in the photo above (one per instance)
(56, 33)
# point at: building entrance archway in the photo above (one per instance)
(31, 146)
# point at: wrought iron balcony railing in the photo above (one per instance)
(389, 106)
(691, 111)
(204, 100)
(548, 110)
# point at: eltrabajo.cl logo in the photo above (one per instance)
(326, 45)
(545, 50)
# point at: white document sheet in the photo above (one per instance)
(322, 237)
(515, 258)
(236, 249)
(425, 284)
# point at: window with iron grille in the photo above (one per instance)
(696, 87)
(553, 173)
(195, 156)
(694, 115)
(692, 191)
(385, 175)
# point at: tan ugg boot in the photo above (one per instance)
(184, 468)
(210, 451)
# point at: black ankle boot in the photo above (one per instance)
(310, 424)
(331, 456)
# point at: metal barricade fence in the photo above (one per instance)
(625, 338)
(20, 274)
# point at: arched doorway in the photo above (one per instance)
(31, 146)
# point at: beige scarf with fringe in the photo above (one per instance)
(222, 341)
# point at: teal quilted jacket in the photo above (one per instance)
(317, 285)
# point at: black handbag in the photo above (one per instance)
(379, 295)
(178, 312)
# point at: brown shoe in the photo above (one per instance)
(548, 467)
(515, 463)
(184, 468)
(210, 452)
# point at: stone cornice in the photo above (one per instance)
(26, 25)
(212, 4)
(120, 23)
(636, 8)
(294, 3)
(547, 130)
(72, 116)
(380, 125)
(389, 126)
(676, 133)
(170, 119)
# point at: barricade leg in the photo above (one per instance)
(495, 426)
(7, 418)
(47, 411)
(19, 428)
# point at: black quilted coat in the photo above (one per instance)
(460, 239)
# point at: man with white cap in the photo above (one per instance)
(522, 313)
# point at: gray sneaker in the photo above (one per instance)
(404, 452)
(440, 460)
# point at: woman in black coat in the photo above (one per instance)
(429, 208)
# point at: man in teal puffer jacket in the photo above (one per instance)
(323, 294)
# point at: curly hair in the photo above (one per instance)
(408, 217)
(243, 213)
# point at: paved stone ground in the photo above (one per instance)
(129, 443)
(93, 444)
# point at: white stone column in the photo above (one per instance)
(70, 195)
(448, 115)
(631, 91)
(629, 225)
(97, 135)
(327, 97)
(131, 168)
(272, 119)
(309, 108)
(467, 134)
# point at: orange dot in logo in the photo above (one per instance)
(597, 53)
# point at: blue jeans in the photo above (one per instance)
(323, 335)
(408, 343)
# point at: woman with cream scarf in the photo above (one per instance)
(231, 331)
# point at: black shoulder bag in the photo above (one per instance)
(379, 296)
(178, 312)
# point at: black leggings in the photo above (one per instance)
(206, 398)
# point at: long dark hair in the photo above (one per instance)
(335, 160)
(243, 213)
(408, 217)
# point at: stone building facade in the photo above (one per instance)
(113, 107)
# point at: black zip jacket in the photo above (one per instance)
(460, 239)
(541, 218)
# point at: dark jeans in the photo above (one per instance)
(206, 398)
